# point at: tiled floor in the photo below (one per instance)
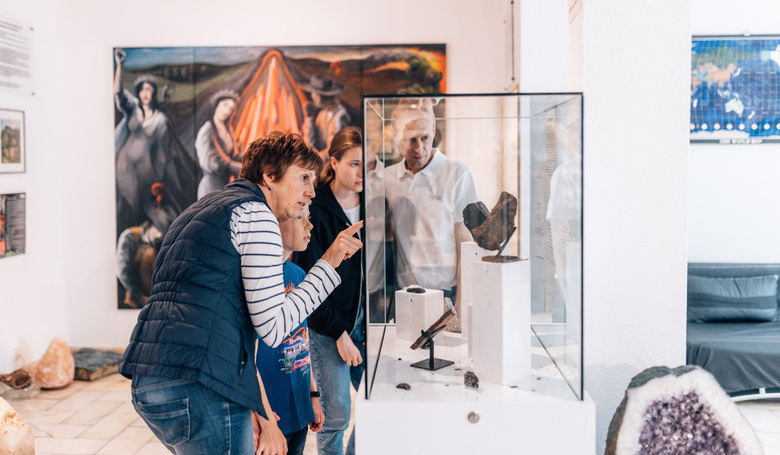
(764, 417)
(97, 418)
(93, 418)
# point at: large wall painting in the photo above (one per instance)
(184, 115)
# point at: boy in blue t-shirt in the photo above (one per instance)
(285, 371)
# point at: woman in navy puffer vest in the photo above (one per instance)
(218, 281)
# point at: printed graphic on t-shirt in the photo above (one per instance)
(295, 351)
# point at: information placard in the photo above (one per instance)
(16, 57)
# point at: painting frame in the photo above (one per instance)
(735, 89)
(12, 147)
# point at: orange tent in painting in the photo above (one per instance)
(271, 101)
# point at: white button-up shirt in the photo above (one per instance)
(424, 209)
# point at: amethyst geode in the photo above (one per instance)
(679, 411)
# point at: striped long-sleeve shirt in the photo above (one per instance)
(255, 235)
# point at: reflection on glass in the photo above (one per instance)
(457, 182)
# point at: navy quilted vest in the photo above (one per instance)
(196, 324)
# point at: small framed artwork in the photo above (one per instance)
(13, 225)
(12, 146)
(735, 89)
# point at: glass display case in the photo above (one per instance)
(513, 164)
(473, 264)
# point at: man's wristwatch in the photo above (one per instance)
(315, 393)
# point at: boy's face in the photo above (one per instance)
(296, 231)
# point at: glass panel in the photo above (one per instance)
(473, 208)
(556, 221)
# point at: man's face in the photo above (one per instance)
(416, 143)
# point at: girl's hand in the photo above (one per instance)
(348, 351)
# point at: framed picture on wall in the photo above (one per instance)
(735, 89)
(13, 225)
(12, 146)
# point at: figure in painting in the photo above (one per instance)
(219, 153)
(325, 115)
(136, 251)
(142, 142)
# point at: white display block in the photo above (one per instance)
(470, 253)
(532, 426)
(416, 312)
(435, 414)
(501, 325)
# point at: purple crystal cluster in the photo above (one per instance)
(684, 426)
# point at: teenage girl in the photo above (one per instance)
(336, 327)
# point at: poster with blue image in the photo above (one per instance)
(735, 89)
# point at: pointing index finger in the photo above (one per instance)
(354, 228)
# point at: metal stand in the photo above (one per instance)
(432, 363)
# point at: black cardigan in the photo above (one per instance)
(338, 312)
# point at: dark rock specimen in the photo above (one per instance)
(497, 227)
(471, 380)
(403, 385)
(19, 379)
(679, 411)
(93, 364)
(475, 214)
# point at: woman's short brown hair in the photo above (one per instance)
(273, 153)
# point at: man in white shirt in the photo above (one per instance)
(426, 194)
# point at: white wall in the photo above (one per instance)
(71, 127)
(635, 178)
(635, 60)
(733, 188)
(542, 46)
(33, 300)
(635, 83)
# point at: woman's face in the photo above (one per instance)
(349, 170)
(146, 93)
(296, 231)
(225, 108)
(292, 193)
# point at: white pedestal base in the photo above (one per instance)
(432, 416)
(533, 426)
(501, 323)
(470, 253)
(416, 312)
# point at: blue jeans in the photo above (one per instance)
(189, 418)
(333, 377)
(296, 441)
